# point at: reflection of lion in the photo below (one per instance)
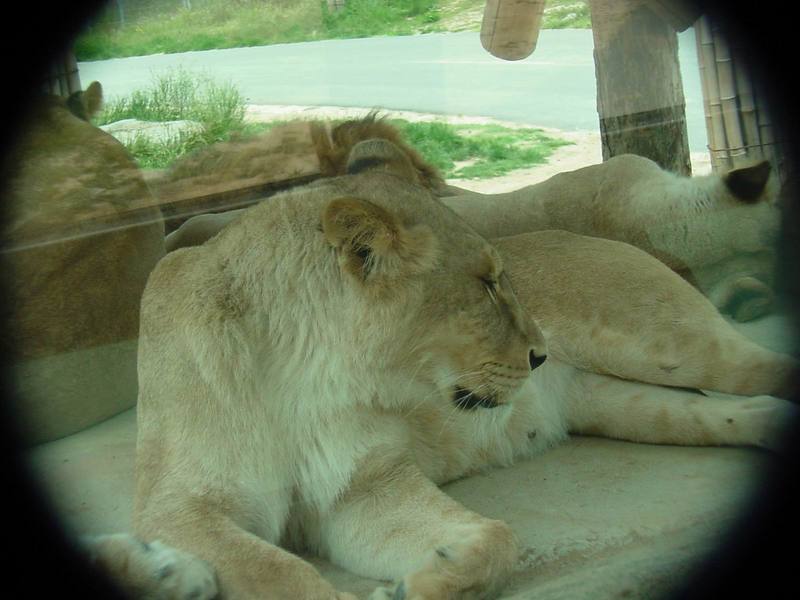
(718, 231)
(309, 375)
(243, 158)
(77, 266)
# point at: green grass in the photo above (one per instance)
(164, 27)
(565, 14)
(223, 24)
(365, 18)
(484, 151)
(219, 108)
(210, 25)
(458, 151)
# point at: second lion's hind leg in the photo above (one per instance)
(638, 412)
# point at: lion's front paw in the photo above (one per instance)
(473, 568)
(152, 571)
(182, 576)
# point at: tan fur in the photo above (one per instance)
(85, 104)
(346, 135)
(714, 230)
(242, 158)
(718, 232)
(300, 376)
(150, 571)
(77, 265)
(610, 308)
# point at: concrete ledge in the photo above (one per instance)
(598, 518)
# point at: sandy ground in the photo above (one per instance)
(583, 151)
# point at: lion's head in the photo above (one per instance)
(425, 298)
(371, 276)
(461, 327)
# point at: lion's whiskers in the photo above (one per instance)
(454, 409)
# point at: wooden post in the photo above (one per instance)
(640, 99)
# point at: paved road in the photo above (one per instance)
(447, 73)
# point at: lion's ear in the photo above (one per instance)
(748, 183)
(381, 154)
(93, 98)
(373, 244)
(87, 103)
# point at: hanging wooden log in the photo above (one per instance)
(640, 98)
(510, 28)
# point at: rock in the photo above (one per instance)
(128, 130)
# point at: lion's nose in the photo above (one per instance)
(536, 361)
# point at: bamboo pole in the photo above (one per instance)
(718, 143)
(63, 78)
(748, 110)
(728, 99)
(766, 132)
(704, 85)
(510, 28)
(740, 130)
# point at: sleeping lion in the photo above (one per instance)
(309, 376)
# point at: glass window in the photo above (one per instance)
(431, 297)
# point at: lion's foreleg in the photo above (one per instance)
(396, 524)
(151, 571)
(639, 412)
(247, 566)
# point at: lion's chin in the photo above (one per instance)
(467, 400)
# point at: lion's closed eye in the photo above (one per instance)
(490, 285)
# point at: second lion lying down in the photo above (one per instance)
(310, 375)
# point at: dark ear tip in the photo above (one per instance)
(747, 183)
(359, 165)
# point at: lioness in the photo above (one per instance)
(718, 231)
(77, 263)
(309, 375)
